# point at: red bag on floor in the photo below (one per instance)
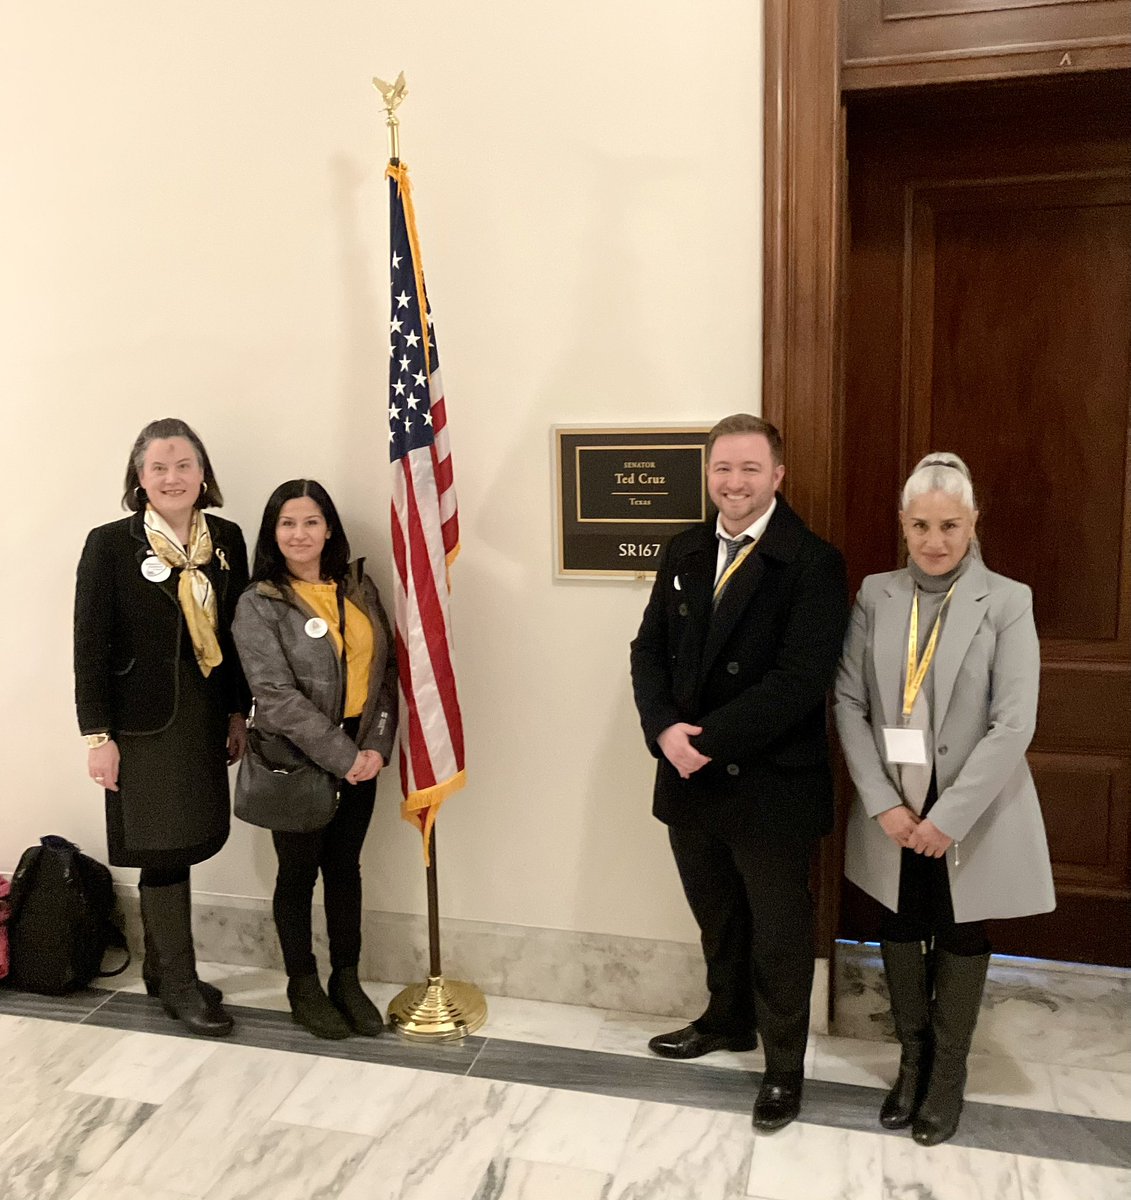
(5, 909)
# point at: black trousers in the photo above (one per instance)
(162, 876)
(926, 912)
(750, 897)
(336, 852)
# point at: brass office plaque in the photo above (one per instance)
(622, 493)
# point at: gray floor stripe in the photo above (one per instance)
(271, 1030)
(845, 1106)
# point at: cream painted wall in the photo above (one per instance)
(193, 222)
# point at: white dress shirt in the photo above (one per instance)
(753, 532)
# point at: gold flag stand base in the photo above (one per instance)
(437, 1011)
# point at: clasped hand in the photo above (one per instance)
(365, 766)
(237, 737)
(675, 742)
(914, 832)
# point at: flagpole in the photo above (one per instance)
(439, 1010)
(434, 967)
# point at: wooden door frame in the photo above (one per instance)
(802, 248)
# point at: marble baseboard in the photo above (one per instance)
(597, 970)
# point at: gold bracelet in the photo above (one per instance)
(94, 740)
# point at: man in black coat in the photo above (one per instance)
(737, 649)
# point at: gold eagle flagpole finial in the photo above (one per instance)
(393, 94)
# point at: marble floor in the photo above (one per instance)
(104, 1099)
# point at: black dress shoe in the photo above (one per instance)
(688, 1042)
(778, 1103)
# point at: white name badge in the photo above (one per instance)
(316, 627)
(153, 569)
(905, 746)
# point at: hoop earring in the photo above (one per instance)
(203, 486)
(138, 492)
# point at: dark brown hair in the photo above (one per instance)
(134, 498)
(269, 562)
(745, 423)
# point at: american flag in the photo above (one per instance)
(425, 530)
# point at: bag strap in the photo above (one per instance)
(115, 939)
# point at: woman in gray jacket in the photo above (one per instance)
(936, 703)
(288, 633)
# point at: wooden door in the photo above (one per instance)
(989, 313)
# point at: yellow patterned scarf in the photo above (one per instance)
(194, 591)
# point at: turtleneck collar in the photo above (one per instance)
(938, 583)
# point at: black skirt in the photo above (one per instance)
(924, 883)
(172, 807)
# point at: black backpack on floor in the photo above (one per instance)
(63, 919)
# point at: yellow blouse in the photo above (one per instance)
(322, 598)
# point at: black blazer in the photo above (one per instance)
(754, 674)
(128, 631)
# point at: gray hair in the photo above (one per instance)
(939, 472)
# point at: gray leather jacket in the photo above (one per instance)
(297, 680)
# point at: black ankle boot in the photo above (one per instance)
(905, 966)
(959, 982)
(311, 1008)
(167, 915)
(351, 1001)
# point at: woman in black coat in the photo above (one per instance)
(161, 699)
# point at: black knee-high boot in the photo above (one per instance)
(151, 969)
(959, 983)
(905, 965)
(166, 913)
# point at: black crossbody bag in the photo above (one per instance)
(277, 786)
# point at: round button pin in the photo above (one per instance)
(153, 569)
(316, 627)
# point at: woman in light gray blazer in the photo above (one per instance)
(936, 703)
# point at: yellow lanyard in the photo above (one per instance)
(916, 670)
(739, 559)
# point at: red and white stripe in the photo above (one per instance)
(425, 529)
